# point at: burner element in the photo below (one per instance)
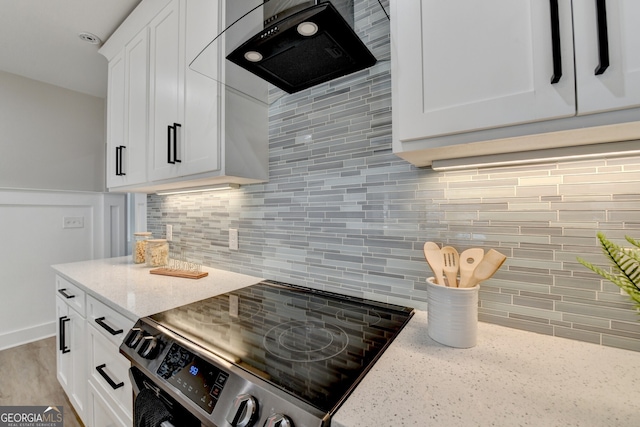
(305, 341)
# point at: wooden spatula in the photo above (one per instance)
(490, 263)
(469, 259)
(451, 262)
(434, 258)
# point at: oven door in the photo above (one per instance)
(152, 407)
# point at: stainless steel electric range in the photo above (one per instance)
(271, 355)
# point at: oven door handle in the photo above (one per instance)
(166, 424)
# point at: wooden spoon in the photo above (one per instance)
(487, 267)
(434, 258)
(451, 263)
(469, 259)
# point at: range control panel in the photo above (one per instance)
(196, 378)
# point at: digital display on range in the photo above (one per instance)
(194, 377)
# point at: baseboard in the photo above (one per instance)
(27, 335)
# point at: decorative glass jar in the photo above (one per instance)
(139, 251)
(157, 252)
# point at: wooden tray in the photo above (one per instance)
(179, 273)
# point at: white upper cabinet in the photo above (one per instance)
(194, 130)
(127, 112)
(165, 99)
(466, 72)
(466, 65)
(607, 40)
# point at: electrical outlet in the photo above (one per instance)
(233, 239)
(169, 232)
(73, 222)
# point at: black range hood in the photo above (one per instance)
(303, 46)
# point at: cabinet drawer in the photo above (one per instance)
(71, 294)
(102, 411)
(109, 370)
(113, 325)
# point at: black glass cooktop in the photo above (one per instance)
(313, 344)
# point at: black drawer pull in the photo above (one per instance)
(106, 377)
(64, 294)
(603, 37)
(100, 321)
(555, 42)
(63, 335)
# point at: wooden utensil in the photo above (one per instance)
(451, 263)
(469, 259)
(490, 263)
(434, 258)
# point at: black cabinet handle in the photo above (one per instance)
(172, 143)
(119, 160)
(63, 336)
(106, 377)
(175, 142)
(169, 134)
(122, 147)
(555, 42)
(64, 294)
(603, 37)
(100, 321)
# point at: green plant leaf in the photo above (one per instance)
(625, 263)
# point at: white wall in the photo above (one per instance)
(33, 238)
(51, 138)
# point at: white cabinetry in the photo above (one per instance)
(90, 368)
(479, 71)
(108, 370)
(71, 354)
(198, 131)
(619, 85)
(128, 78)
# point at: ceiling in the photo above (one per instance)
(39, 40)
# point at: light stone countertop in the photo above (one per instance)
(510, 378)
(130, 289)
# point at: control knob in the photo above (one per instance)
(278, 420)
(133, 337)
(150, 347)
(244, 411)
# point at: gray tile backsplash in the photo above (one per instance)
(342, 213)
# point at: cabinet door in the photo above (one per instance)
(116, 102)
(127, 114)
(202, 136)
(166, 93)
(71, 355)
(467, 65)
(101, 414)
(63, 353)
(618, 86)
(137, 89)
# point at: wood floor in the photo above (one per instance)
(28, 377)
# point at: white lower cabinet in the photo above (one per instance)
(102, 413)
(108, 369)
(71, 342)
(90, 368)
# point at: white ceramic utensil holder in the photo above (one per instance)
(452, 314)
